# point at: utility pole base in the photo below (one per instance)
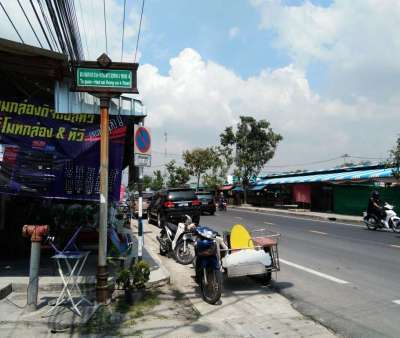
(102, 285)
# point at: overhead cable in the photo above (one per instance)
(123, 32)
(41, 25)
(30, 24)
(47, 24)
(84, 29)
(140, 26)
(105, 24)
(12, 23)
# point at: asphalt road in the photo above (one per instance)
(343, 275)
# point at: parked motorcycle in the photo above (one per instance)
(178, 240)
(391, 220)
(207, 263)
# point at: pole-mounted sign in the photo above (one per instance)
(142, 146)
(104, 79)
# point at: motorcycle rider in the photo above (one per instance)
(221, 200)
(375, 208)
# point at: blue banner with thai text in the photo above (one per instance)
(56, 155)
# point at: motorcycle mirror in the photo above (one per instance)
(188, 220)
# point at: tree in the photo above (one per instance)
(157, 181)
(254, 144)
(394, 159)
(177, 176)
(147, 181)
(216, 176)
(198, 161)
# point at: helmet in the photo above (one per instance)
(375, 194)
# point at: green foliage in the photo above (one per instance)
(177, 176)
(158, 180)
(254, 144)
(199, 160)
(394, 159)
(222, 161)
(140, 274)
(147, 180)
(134, 278)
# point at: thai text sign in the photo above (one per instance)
(50, 154)
(104, 78)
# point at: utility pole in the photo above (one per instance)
(104, 79)
(102, 274)
(165, 157)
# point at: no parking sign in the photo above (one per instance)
(142, 146)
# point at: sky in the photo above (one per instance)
(324, 73)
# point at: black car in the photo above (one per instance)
(207, 202)
(171, 205)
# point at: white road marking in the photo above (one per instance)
(395, 246)
(318, 232)
(314, 272)
(269, 223)
(238, 217)
(300, 218)
(396, 301)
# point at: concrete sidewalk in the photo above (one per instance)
(246, 309)
(16, 321)
(300, 213)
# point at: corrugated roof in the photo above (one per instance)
(333, 177)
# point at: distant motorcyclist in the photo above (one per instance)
(375, 207)
(221, 201)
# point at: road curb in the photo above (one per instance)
(288, 213)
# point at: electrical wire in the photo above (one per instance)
(94, 27)
(12, 23)
(140, 27)
(123, 32)
(47, 24)
(41, 25)
(30, 24)
(105, 24)
(84, 29)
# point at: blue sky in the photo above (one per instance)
(325, 73)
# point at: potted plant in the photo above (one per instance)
(133, 281)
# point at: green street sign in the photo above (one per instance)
(104, 78)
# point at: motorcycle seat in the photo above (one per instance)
(173, 227)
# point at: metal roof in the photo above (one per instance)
(332, 177)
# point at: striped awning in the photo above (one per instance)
(336, 177)
(257, 187)
(237, 188)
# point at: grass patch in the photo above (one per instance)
(109, 319)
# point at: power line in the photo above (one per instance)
(30, 24)
(123, 32)
(140, 27)
(11, 22)
(84, 29)
(41, 26)
(105, 24)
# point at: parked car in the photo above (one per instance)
(171, 205)
(207, 202)
(147, 197)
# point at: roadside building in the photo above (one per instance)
(49, 145)
(343, 191)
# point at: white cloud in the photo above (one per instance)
(197, 99)
(356, 40)
(233, 32)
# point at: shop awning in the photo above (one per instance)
(336, 177)
(237, 189)
(226, 187)
(257, 187)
